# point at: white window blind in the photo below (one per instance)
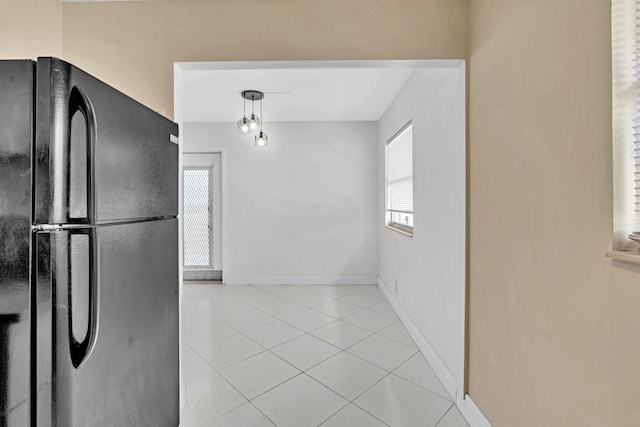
(635, 111)
(399, 184)
(625, 34)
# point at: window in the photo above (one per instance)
(399, 180)
(626, 122)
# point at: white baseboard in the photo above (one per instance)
(444, 374)
(467, 408)
(472, 413)
(302, 280)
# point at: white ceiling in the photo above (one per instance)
(292, 94)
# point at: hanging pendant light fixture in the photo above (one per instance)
(251, 123)
(261, 138)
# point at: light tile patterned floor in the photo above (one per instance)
(304, 356)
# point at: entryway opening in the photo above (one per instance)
(308, 211)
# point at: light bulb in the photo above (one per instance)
(243, 125)
(262, 139)
(254, 121)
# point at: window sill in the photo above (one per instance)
(626, 256)
(398, 230)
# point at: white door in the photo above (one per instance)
(201, 216)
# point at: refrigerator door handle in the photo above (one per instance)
(81, 143)
(81, 350)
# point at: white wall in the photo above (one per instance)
(302, 210)
(429, 268)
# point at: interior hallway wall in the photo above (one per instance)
(133, 45)
(554, 323)
(30, 28)
(426, 272)
(303, 209)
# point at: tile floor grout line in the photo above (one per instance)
(265, 415)
(266, 391)
(311, 367)
(387, 373)
(327, 387)
(305, 370)
(269, 349)
(226, 412)
(313, 336)
(332, 415)
(366, 290)
(448, 399)
(212, 342)
(201, 376)
(272, 388)
(238, 361)
(393, 339)
(246, 358)
(308, 332)
(416, 384)
(359, 309)
(278, 385)
(343, 349)
(229, 382)
(353, 402)
(368, 361)
(277, 345)
(444, 415)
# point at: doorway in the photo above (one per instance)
(202, 216)
(268, 248)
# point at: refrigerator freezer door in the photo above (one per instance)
(102, 156)
(112, 295)
(16, 127)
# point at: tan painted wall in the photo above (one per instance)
(555, 326)
(133, 45)
(30, 28)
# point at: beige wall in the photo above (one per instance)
(555, 326)
(30, 28)
(132, 45)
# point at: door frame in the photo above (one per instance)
(223, 207)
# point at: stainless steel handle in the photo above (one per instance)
(81, 350)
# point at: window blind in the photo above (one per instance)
(625, 40)
(635, 110)
(400, 178)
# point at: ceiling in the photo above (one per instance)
(292, 94)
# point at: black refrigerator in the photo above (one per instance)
(88, 253)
